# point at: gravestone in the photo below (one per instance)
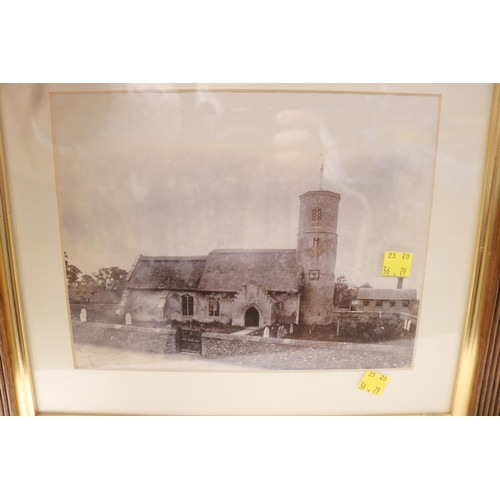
(83, 315)
(128, 319)
(266, 332)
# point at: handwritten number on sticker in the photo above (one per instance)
(373, 382)
(397, 264)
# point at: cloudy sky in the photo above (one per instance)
(169, 173)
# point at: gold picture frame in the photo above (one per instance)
(478, 351)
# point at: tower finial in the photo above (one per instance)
(321, 174)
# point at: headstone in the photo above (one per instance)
(291, 327)
(83, 315)
(266, 332)
(280, 332)
(128, 319)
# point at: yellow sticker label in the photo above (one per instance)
(374, 382)
(397, 264)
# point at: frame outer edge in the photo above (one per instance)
(468, 362)
(11, 303)
(475, 320)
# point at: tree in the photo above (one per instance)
(72, 272)
(113, 278)
(86, 279)
(345, 292)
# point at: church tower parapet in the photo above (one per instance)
(317, 255)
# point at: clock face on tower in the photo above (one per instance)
(314, 274)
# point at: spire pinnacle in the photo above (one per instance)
(321, 174)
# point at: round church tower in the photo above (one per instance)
(317, 253)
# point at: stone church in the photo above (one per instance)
(244, 287)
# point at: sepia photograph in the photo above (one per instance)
(244, 229)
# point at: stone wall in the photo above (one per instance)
(216, 345)
(158, 340)
(254, 352)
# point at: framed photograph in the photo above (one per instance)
(245, 249)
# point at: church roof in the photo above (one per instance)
(229, 270)
(169, 273)
(220, 271)
(387, 294)
(322, 191)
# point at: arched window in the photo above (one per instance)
(315, 242)
(317, 214)
(214, 307)
(187, 305)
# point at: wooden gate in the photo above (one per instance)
(189, 341)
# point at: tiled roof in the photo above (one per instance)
(229, 270)
(169, 273)
(220, 271)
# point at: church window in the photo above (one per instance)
(315, 242)
(378, 303)
(317, 214)
(214, 307)
(406, 303)
(314, 274)
(187, 305)
(366, 303)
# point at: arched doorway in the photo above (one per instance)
(252, 317)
